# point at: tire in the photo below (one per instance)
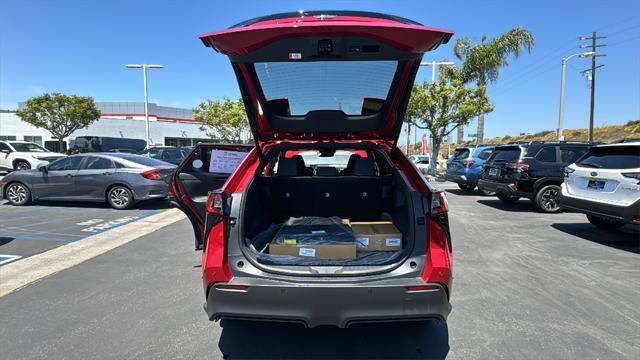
(508, 199)
(21, 165)
(487, 192)
(547, 200)
(603, 223)
(465, 187)
(120, 197)
(18, 194)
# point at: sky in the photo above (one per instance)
(81, 47)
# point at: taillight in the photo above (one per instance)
(439, 204)
(215, 204)
(467, 163)
(567, 171)
(152, 174)
(518, 167)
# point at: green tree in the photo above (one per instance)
(482, 61)
(224, 119)
(60, 114)
(443, 106)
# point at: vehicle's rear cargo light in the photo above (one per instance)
(151, 174)
(417, 288)
(232, 287)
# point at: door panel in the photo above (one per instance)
(58, 181)
(93, 178)
(199, 174)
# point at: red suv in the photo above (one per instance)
(281, 224)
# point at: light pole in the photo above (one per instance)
(144, 68)
(562, 81)
(434, 65)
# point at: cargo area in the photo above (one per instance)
(327, 207)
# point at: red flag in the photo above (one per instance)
(425, 145)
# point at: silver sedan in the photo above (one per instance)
(120, 179)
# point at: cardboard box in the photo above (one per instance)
(377, 236)
(337, 251)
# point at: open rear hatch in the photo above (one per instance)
(326, 75)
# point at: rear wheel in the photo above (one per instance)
(508, 199)
(21, 165)
(466, 187)
(120, 197)
(603, 223)
(18, 194)
(547, 199)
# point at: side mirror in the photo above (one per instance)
(44, 169)
(5, 151)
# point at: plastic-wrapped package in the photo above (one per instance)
(314, 231)
(311, 234)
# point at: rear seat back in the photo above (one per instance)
(357, 197)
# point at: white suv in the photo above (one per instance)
(605, 185)
(23, 155)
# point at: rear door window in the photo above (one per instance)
(482, 153)
(459, 154)
(97, 163)
(547, 154)
(612, 157)
(569, 154)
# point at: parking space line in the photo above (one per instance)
(21, 273)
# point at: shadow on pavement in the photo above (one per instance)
(523, 205)
(154, 204)
(626, 238)
(265, 340)
(5, 240)
(474, 192)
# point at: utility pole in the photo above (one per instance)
(594, 45)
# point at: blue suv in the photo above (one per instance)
(463, 167)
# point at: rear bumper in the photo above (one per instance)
(608, 211)
(156, 190)
(468, 178)
(333, 304)
(508, 189)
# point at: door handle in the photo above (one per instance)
(107, 173)
(69, 175)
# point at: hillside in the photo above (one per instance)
(603, 134)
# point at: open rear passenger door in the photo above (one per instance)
(206, 169)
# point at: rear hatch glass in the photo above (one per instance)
(459, 154)
(505, 155)
(612, 157)
(346, 86)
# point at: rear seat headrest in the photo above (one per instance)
(326, 171)
(287, 167)
(363, 167)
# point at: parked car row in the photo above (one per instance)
(120, 179)
(600, 181)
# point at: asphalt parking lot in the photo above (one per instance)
(29, 230)
(527, 286)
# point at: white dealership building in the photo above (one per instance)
(167, 125)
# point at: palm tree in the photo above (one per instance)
(481, 61)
